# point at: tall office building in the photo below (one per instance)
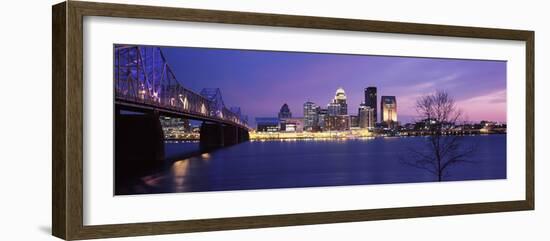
(337, 110)
(353, 121)
(338, 105)
(366, 116)
(311, 116)
(285, 112)
(370, 100)
(323, 115)
(340, 99)
(388, 109)
(333, 109)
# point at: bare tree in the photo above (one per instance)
(439, 113)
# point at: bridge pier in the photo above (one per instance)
(211, 136)
(139, 143)
(243, 135)
(214, 136)
(230, 135)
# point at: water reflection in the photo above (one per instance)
(152, 180)
(181, 175)
(308, 163)
(180, 169)
(205, 156)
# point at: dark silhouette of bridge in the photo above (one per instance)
(146, 88)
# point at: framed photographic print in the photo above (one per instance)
(170, 120)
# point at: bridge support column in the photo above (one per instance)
(230, 135)
(211, 136)
(214, 136)
(139, 144)
(243, 135)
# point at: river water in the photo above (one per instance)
(313, 163)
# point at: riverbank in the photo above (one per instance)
(338, 135)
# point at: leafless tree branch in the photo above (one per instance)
(439, 110)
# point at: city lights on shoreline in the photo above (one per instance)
(336, 123)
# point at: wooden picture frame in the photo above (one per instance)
(67, 152)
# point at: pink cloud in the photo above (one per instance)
(491, 106)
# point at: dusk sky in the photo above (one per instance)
(260, 82)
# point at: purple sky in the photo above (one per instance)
(261, 81)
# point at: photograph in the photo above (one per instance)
(219, 122)
(194, 119)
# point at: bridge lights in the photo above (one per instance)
(142, 94)
(172, 101)
(203, 109)
(154, 96)
(184, 102)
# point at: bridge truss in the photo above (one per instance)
(143, 77)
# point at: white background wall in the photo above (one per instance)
(25, 120)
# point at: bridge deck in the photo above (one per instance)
(173, 112)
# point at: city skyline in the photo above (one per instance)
(185, 127)
(272, 79)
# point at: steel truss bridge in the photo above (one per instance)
(145, 89)
(145, 81)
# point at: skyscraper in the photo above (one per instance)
(285, 112)
(338, 105)
(323, 115)
(388, 107)
(333, 109)
(370, 100)
(366, 116)
(338, 118)
(311, 116)
(353, 121)
(340, 99)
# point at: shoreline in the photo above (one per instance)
(342, 137)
